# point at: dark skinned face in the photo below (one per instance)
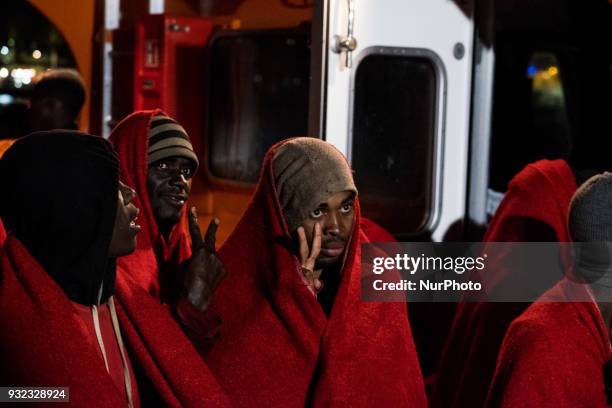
(123, 241)
(336, 217)
(169, 184)
(50, 113)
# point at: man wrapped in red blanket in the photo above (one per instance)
(69, 218)
(295, 331)
(157, 159)
(533, 209)
(558, 352)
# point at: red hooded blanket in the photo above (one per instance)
(42, 343)
(539, 194)
(40, 326)
(534, 209)
(277, 347)
(130, 141)
(150, 325)
(553, 355)
(2, 234)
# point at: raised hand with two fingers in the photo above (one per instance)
(308, 257)
(204, 270)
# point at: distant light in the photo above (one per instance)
(552, 71)
(531, 70)
(6, 99)
(36, 54)
(22, 76)
(4, 72)
(4, 50)
(22, 73)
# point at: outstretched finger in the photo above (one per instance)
(211, 234)
(194, 229)
(316, 242)
(303, 245)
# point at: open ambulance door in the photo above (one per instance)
(391, 88)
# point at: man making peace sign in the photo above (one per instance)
(295, 332)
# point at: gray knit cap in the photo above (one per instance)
(590, 226)
(307, 172)
(590, 210)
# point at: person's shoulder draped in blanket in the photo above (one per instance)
(295, 331)
(375, 232)
(534, 208)
(558, 352)
(68, 218)
(2, 234)
(4, 145)
(158, 161)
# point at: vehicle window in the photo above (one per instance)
(259, 84)
(394, 130)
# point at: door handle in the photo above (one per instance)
(347, 44)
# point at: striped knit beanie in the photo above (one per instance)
(169, 139)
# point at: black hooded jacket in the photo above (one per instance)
(58, 196)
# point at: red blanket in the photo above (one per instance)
(2, 234)
(171, 361)
(538, 195)
(130, 141)
(277, 347)
(375, 232)
(140, 281)
(553, 356)
(534, 209)
(42, 343)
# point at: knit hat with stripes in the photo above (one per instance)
(169, 139)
